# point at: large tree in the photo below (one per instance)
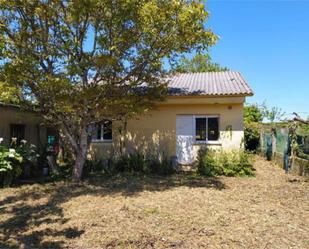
(198, 63)
(82, 61)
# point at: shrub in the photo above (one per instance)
(27, 151)
(233, 163)
(160, 166)
(146, 164)
(252, 136)
(16, 160)
(29, 156)
(10, 167)
(206, 162)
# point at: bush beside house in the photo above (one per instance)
(17, 160)
(232, 163)
(253, 115)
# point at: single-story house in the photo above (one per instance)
(200, 109)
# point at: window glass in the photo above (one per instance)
(200, 129)
(107, 130)
(17, 131)
(101, 131)
(98, 131)
(213, 129)
(50, 139)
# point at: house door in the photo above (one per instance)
(184, 139)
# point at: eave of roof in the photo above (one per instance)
(9, 105)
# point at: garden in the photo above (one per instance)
(20, 162)
(233, 199)
(150, 211)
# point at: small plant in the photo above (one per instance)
(206, 162)
(233, 163)
(29, 154)
(17, 160)
(10, 165)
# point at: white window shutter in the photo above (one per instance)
(184, 139)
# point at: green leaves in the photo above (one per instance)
(199, 63)
(81, 55)
(85, 60)
(253, 113)
(231, 163)
(7, 158)
(116, 42)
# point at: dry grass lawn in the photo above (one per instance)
(270, 210)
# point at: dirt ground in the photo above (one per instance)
(270, 210)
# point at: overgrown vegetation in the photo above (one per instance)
(253, 115)
(252, 136)
(16, 160)
(10, 167)
(133, 163)
(299, 139)
(232, 163)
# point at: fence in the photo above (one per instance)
(275, 144)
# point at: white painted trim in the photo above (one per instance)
(212, 142)
(101, 141)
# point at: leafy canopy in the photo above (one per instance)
(253, 113)
(199, 63)
(85, 60)
(79, 57)
(9, 93)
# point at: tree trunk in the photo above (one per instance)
(123, 132)
(273, 143)
(80, 155)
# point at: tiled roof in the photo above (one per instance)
(225, 83)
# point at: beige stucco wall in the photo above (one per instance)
(34, 132)
(156, 131)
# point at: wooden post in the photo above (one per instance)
(262, 141)
(293, 143)
(273, 142)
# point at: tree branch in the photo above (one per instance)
(298, 118)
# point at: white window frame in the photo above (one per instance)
(102, 135)
(206, 141)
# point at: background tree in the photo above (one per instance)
(253, 115)
(78, 62)
(199, 63)
(272, 114)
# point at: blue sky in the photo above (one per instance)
(268, 42)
